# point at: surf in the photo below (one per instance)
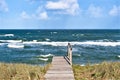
(15, 45)
(43, 59)
(47, 55)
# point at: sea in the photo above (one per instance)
(37, 47)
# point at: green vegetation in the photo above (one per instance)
(21, 72)
(103, 71)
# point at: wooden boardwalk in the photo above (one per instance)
(59, 70)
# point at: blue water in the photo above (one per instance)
(37, 47)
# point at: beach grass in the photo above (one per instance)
(103, 71)
(10, 71)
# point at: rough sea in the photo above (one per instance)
(37, 47)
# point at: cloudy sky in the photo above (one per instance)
(59, 14)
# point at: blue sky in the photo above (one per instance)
(59, 14)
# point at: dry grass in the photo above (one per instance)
(103, 71)
(22, 72)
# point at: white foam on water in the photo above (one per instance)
(47, 55)
(47, 39)
(34, 40)
(97, 43)
(11, 41)
(43, 59)
(103, 40)
(48, 43)
(77, 55)
(8, 35)
(118, 56)
(75, 43)
(1, 44)
(14, 45)
(53, 32)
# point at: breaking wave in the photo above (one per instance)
(98, 43)
(76, 55)
(7, 35)
(15, 45)
(47, 55)
(43, 59)
(47, 39)
(10, 41)
(118, 56)
(76, 43)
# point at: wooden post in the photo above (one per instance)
(70, 53)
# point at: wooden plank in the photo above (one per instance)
(60, 70)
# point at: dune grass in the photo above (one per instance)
(103, 71)
(21, 72)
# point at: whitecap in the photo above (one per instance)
(53, 32)
(118, 56)
(9, 35)
(97, 43)
(11, 41)
(34, 40)
(15, 45)
(1, 44)
(104, 40)
(43, 59)
(47, 55)
(47, 39)
(76, 43)
(48, 43)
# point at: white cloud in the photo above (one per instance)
(41, 13)
(64, 6)
(24, 15)
(94, 11)
(3, 6)
(115, 11)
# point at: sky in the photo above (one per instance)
(59, 14)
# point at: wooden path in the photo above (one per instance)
(59, 70)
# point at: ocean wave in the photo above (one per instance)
(104, 40)
(53, 32)
(47, 43)
(77, 55)
(47, 55)
(118, 56)
(99, 43)
(34, 40)
(75, 43)
(9, 35)
(11, 41)
(78, 35)
(47, 39)
(1, 44)
(13, 45)
(43, 59)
